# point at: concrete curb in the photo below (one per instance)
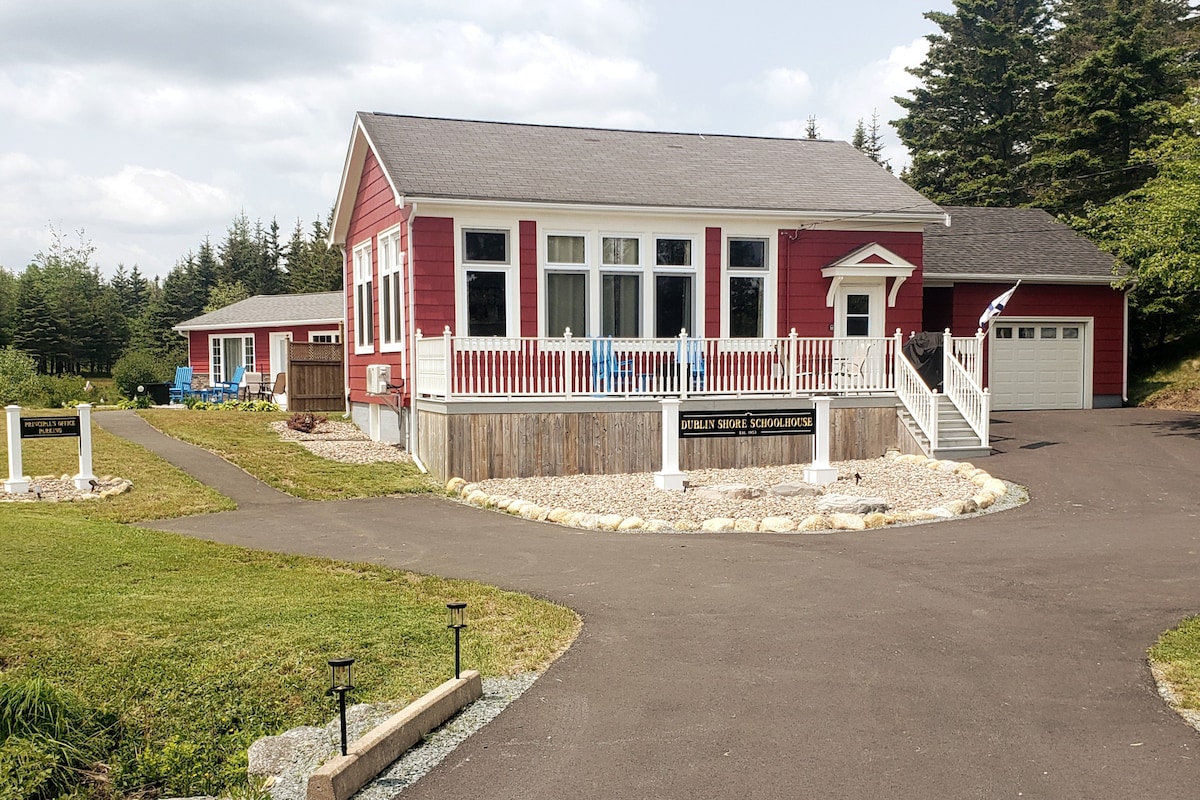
(342, 776)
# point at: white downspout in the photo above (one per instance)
(411, 433)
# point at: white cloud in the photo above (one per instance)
(155, 199)
(785, 88)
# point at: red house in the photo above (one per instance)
(503, 269)
(254, 334)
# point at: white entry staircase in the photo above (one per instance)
(956, 439)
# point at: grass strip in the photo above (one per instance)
(246, 440)
(1178, 651)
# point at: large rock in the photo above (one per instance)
(717, 525)
(778, 525)
(726, 491)
(794, 489)
(850, 504)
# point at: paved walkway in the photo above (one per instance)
(995, 657)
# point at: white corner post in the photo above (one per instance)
(85, 477)
(669, 477)
(16, 483)
(819, 471)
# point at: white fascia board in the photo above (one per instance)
(356, 156)
(975, 277)
(792, 215)
(246, 325)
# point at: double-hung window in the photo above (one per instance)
(391, 291)
(486, 266)
(566, 284)
(620, 286)
(746, 261)
(674, 279)
(364, 300)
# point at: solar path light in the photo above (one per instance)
(340, 683)
(458, 621)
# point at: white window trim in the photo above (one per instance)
(334, 332)
(767, 273)
(363, 273)
(650, 304)
(248, 363)
(395, 270)
(546, 267)
(508, 269)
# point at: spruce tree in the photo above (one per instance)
(1109, 101)
(970, 123)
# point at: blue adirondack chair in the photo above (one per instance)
(610, 373)
(182, 387)
(695, 362)
(225, 390)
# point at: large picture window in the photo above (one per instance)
(486, 257)
(620, 305)
(746, 259)
(672, 305)
(566, 303)
(391, 291)
(364, 300)
(487, 308)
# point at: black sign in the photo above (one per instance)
(694, 424)
(49, 427)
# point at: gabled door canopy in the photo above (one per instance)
(869, 261)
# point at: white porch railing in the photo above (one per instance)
(461, 367)
(920, 400)
(962, 370)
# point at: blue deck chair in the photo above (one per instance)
(182, 387)
(695, 359)
(225, 390)
(609, 372)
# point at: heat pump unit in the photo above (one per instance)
(378, 378)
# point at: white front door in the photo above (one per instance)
(279, 355)
(858, 314)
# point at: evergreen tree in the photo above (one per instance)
(1107, 102)
(810, 129)
(1155, 230)
(313, 266)
(970, 123)
(225, 294)
(8, 306)
(859, 139)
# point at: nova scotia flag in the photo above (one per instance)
(996, 306)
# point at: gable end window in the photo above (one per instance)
(364, 300)
(391, 291)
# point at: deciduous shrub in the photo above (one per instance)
(139, 367)
(306, 422)
(18, 377)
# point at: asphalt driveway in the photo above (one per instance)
(995, 657)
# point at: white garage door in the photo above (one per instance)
(1037, 365)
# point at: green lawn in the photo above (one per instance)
(198, 648)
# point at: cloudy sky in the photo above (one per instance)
(150, 124)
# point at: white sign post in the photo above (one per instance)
(84, 479)
(16, 483)
(820, 471)
(49, 427)
(669, 477)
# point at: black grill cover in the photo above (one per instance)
(924, 351)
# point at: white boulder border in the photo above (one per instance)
(989, 490)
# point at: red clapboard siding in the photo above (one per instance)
(712, 282)
(527, 234)
(802, 287)
(1104, 304)
(433, 274)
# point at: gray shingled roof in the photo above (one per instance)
(1012, 242)
(265, 310)
(497, 161)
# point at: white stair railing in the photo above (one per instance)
(961, 386)
(919, 399)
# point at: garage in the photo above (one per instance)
(1038, 364)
